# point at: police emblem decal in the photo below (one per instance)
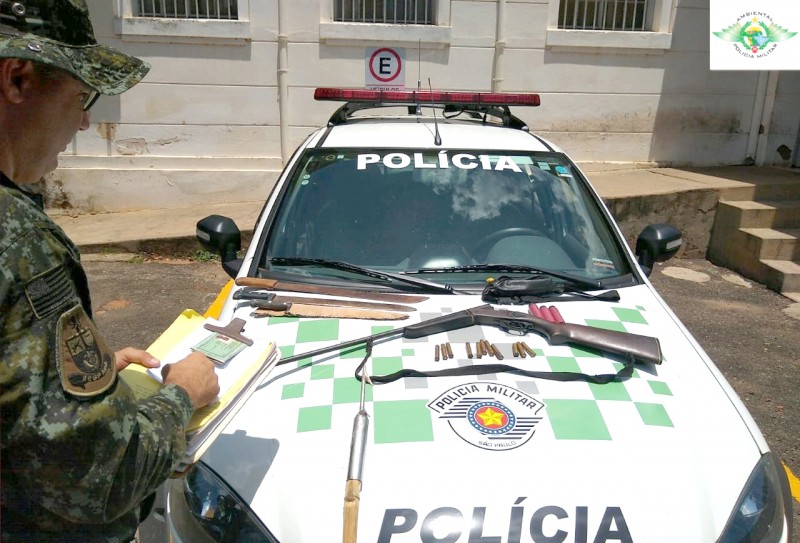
(755, 34)
(85, 363)
(488, 415)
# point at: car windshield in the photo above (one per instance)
(449, 216)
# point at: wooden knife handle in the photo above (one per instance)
(256, 282)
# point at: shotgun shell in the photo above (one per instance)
(436, 354)
(534, 310)
(469, 350)
(556, 313)
(497, 352)
(527, 349)
(547, 314)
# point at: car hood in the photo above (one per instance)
(661, 456)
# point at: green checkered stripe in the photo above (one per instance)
(577, 411)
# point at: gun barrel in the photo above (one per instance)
(451, 321)
(642, 348)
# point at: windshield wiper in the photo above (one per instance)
(427, 286)
(574, 280)
(538, 287)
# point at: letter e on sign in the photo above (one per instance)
(385, 69)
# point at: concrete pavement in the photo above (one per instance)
(131, 230)
(685, 198)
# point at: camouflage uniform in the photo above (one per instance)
(79, 454)
(59, 33)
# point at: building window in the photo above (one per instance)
(623, 15)
(183, 21)
(188, 9)
(416, 12)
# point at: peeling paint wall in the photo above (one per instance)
(208, 111)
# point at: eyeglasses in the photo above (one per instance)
(89, 98)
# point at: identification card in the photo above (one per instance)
(220, 349)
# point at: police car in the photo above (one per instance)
(470, 352)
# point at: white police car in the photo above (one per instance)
(436, 251)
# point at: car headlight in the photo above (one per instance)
(759, 513)
(202, 508)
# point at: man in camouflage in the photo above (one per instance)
(80, 456)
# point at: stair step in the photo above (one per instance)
(772, 244)
(757, 227)
(787, 212)
(783, 275)
(780, 186)
(761, 214)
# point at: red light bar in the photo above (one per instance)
(422, 97)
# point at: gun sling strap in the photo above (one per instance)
(483, 369)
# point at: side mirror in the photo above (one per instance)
(220, 235)
(657, 243)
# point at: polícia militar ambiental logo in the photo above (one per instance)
(755, 34)
(489, 415)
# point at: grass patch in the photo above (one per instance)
(204, 256)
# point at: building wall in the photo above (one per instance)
(205, 124)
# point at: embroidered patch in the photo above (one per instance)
(49, 292)
(85, 363)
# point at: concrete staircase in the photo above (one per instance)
(756, 231)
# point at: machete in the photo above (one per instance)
(326, 312)
(262, 299)
(272, 284)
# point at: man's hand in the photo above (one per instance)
(194, 374)
(130, 355)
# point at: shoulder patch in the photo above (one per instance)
(50, 291)
(84, 361)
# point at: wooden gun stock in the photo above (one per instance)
(641, 348)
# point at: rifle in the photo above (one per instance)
(636, 347)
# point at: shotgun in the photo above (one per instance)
(640, 348)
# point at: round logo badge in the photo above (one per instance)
(488, 415)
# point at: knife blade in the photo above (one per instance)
(320, 311)
(261, 299)
(273, 284)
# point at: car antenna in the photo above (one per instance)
(437, 138)
(419, 65)
(419, 76)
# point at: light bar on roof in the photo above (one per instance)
(422, 97)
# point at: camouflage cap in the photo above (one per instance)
(59, 33)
